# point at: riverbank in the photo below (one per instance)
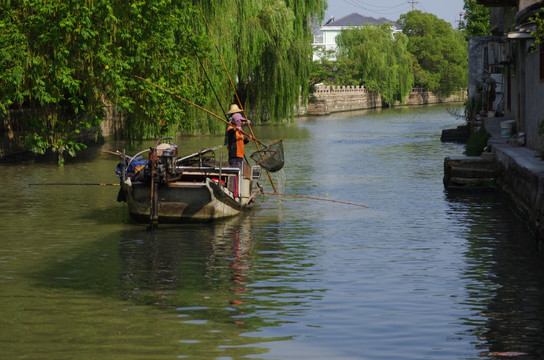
(519, 176)
(326, 100)
(330, 99)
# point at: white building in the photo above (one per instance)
(327, 39)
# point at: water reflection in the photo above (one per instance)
(159, 265)
(210, 277)
(505, 277)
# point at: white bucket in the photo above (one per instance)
(506, 128)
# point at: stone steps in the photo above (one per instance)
(469, 172)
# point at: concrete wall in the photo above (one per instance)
(527, 90)
(518, 62)
(329, 99)
(475, 64)
(483, 52)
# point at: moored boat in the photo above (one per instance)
(167, 188)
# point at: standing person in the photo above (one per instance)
(235, 138)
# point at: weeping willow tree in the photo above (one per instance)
(67, 59)
(266, 46)
(378, 59)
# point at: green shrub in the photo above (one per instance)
(476, 143)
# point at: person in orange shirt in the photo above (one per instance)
(236, 140)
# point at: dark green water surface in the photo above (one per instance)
(420, 274)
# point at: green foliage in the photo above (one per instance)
(59, 136)
(476, 143)
(440, 51)
(472, 108)
(274, 54)
(13, 58)
(266, 49)
(323, 70)
(477, 19)
(68, 59)
(538, 19)
(541, 127)
(378, 59)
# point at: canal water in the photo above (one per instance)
(419, 273)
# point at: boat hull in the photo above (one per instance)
(184, 201)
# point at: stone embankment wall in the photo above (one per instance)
(521, 181)
(329, 99)
(516, 171)
(14, 127)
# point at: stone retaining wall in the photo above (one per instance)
(521, 181)
(329, 99)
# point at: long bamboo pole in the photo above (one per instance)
(312, 198)
(195, 105)
(234, 89)
(72, 184)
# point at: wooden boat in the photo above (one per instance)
(169, 189)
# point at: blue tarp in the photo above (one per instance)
(135, 165)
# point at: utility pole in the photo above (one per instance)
(462, 20)
(413, 2)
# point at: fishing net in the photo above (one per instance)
(271, 157)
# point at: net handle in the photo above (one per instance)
(272, 143)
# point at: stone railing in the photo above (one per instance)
(334, 89)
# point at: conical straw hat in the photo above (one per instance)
(234, 109)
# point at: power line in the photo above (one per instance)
(422, 7)
(378, 9)
(374, 5)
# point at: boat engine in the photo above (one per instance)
(165, 157)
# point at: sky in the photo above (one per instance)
(447, 10)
